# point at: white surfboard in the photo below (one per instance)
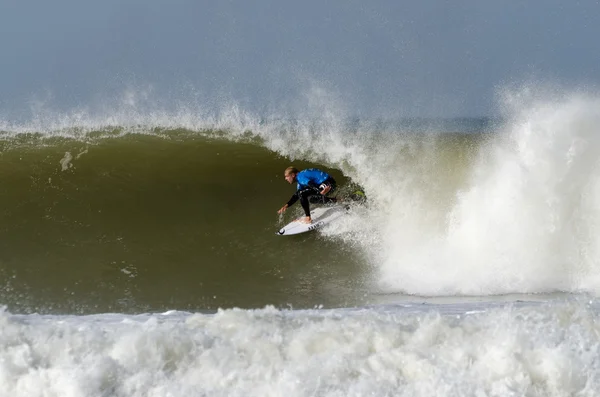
(320, 217)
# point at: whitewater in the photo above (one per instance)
(534, 350)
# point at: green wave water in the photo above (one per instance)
(140, 222)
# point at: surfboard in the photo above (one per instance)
(320, 216)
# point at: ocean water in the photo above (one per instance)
(139, 255)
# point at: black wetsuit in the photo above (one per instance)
(310, 184)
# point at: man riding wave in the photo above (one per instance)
(313, 187)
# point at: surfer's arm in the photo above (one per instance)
(292, 200)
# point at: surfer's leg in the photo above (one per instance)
(305, 195)
(305, 205)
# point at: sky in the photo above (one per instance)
(383, 58)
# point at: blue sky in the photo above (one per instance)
(382, 58)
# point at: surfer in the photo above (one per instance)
(313, 187)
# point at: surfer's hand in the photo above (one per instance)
(282, 209)
(325, 190)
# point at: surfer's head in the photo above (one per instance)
(290, 174)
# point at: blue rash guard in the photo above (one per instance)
(311, 177)
(310, 183)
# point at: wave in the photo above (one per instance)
(467, 207)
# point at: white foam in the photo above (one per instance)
(528, 219)
(412, 350)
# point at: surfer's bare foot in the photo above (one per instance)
(305, 219)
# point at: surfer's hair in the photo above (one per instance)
(291, 170)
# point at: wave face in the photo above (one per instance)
(133, 219)
(127, 210)
(146, 222)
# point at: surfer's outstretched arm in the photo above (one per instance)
(292, 200)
